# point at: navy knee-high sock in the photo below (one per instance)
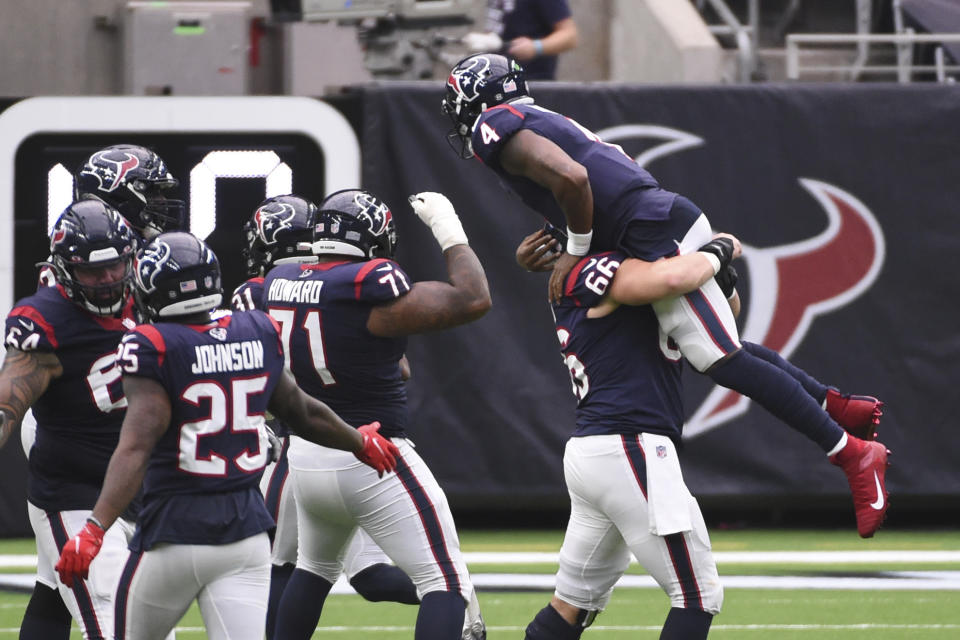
(279, 576)
(384, 582)
(301, 605)
(548, 624)
(440, 616)
(813, 386)
(46, 617)
(686, 624)
(779, 393)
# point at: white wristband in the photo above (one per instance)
(714, 261)
(448, 232)
(578, 244)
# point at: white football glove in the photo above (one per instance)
(438, 214)
(481, 42)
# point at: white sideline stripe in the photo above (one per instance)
(890, 581)
(722, 557)
(743, 557)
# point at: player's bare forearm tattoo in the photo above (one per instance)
(23, 378)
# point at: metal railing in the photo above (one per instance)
(904, 68)
(745, 35)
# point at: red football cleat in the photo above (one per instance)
(859, 415)
(865, 464)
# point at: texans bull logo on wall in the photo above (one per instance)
(792, 284)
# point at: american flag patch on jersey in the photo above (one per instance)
(661, 451)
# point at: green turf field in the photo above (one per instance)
(749, 613)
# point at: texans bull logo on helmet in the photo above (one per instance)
(273, 218)
(109, 170)
(150, 265)
(791, 284)
(375, 213)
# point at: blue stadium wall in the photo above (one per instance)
(845, 197)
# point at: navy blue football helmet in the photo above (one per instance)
(279, 231)
(88, 239)
(475, 84)
(134, 180)
(354, 222)
(176, 275)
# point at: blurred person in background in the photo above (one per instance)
(535, 32)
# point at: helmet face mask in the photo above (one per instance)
(176, 276)
(278, 232)
(475, 84)
(133, 179)
(91, 252)
(354, 223)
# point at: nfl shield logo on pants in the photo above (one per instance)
(661, 451)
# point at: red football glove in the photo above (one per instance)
(378, 452)
(78, 553)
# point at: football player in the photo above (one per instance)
(627, 493)
(61, 344)
(135, 180)
(346, 320)
(198, 384)
(606, 201)
(279, 232)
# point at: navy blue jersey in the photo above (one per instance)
(623, 381)
(623, 191)
(248, 295)
(202, 481)
(323, 310)
(80, 413)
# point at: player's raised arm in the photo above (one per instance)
(434, 305)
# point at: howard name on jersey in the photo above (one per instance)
(622, 190)
(323, 310)
(622, 379)
(202, 481)
(80, 413)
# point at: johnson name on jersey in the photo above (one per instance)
(80, 413)
(322, 310)
(623, 381)
(622, 190)
(202, 481)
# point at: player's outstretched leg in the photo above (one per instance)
(779, 393)
(441, 616)
(865, 464)
(686, 624)
(301, 605)
(859, 415)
